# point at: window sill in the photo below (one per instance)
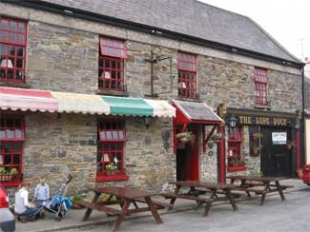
(112, 93)
(11, 184)
(262, 106)
(237, 168)
(112, 178)
(15, 84)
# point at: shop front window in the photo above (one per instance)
(236, 161)
(11, 149)
(110, 152)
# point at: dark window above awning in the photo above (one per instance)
(195, 112)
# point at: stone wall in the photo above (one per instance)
(62, 55)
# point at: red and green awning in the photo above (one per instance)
(61, 102)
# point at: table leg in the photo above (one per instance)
(89, 210)
(207, 208)
(153, 210)
(231, 199)
(122, 215)
(280, 190)
(176, 191)
(262, 200)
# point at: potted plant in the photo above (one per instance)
(111, 168)
(5, 174)
(290, 144)
(76, 200)
(184, 137)
(14, 171)
(257, 135)
(217, 137)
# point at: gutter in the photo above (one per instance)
(63, 10)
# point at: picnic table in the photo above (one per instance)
(259, 185)
(125, 197)
(210, 190)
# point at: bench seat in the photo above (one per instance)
(100, 207)
(157, 204)
(186, 197)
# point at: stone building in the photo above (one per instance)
(104, 90)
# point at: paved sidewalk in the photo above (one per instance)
(74, 217)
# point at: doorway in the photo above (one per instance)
(276, 158)
(187, 161)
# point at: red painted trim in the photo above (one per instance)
(11, 184)
(236, 169)
(297, 148)
(222, 173)
(112, 178)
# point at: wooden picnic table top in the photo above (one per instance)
(203, 184)
(124, 192)
(257, 178)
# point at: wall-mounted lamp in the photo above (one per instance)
(147, 121)
(296, 124)
(232, 121)
(297, 119)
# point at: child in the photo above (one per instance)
(25, 210)
(41, 192)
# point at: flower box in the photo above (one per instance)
(5, 177)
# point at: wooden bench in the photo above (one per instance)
(282, 186)
(186, 197)
(158, 204)
(199, 200)
(100, 207)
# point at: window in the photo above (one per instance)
(261, 81)
(112, 56)
(235, 159)
(11, 149)
(13, 34)
(110, 157)
(187, 70)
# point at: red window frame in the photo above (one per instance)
(187, 71)
(13, 42)
(12, 137)
(261, 84)
(235, 160)
(110, 150)
(112, 56)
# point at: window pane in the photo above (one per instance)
(4, 24)
(21, 27)
(20, 38)
(13, 26)
(4, 36)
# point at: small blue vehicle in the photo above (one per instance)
(59, 204)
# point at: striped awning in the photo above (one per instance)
(80, 103)
(139, 107)
(62, 102)
(128, 106)
(27, 99)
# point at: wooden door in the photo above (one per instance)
(276, 158)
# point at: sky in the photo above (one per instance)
(287, 21)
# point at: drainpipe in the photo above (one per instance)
(302, 127)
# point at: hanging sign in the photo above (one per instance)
(265, 121)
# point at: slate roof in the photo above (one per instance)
(187, 17)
